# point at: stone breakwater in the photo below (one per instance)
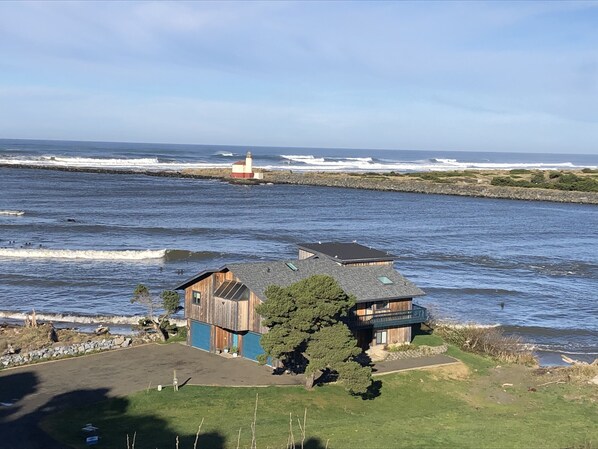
(429, 187)
(355, 181)
(56, 352)
(420, 351)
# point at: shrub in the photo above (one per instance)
(538, 178)
(401, 348)
(487, 341)
(519, 171)
(554, 174)
(503, 181)
(567, 178)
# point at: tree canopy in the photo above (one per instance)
(169, 302)
(304, 321)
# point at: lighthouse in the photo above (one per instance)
(243, 169)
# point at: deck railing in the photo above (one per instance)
(382, 320)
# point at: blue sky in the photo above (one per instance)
(473, 76)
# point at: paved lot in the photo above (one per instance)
(409, 364)
(40, 389)
(28, 393)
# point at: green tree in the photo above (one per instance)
(169, 302)
(304, 324)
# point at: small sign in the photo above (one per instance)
(90, 441)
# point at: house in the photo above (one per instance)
(220, 303)
(244, 169)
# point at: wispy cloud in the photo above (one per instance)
(454, 75)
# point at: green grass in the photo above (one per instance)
(416, 409)
(426, 339)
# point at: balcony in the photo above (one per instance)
(382, 320)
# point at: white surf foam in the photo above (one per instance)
(82, 254)
(313, 163)
(12, 212)
(291, 162)
(107, 163)
(80, 319)
(454, 325)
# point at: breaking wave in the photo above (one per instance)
(82, 254)
(457, 325)
(318, 163)
(149, 164)
(309, 162)
(225, 154)
(148, 254)
(12, 212)
(80, 319)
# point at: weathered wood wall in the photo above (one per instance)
(361, 264)
(304, 254)
(233, 315)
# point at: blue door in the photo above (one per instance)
(200, 335)
(251, 345)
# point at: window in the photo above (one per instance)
(382, 305)
(196, 298)
(381, 337)
(384, 280)
(233, 291)
(292, 266)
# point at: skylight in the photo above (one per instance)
(292, 266)
(384, 280)
(232, 290)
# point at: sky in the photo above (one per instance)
(471, 76)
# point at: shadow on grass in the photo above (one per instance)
(374, 391)
(66, 414)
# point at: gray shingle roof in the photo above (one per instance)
(347, 252)
(360, 281)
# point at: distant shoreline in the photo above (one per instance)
(472, 185)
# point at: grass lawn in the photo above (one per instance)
(453, 407)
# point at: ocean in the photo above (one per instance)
(74, 245)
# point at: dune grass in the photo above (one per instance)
(446, 408)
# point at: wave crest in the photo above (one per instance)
(82, 254)
(81, 319)
(12, 212)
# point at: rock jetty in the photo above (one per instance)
(56, 352)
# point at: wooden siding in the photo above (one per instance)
(201, 312)
(228, 314)
(396, 335)
(255, 320)
(231, 314)
(361, 264)
(221, 338)
(304, 254)
(399, 335)
(397, 305)
(400, 305)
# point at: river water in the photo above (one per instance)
(85, 240)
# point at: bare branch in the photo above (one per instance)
(197, 434)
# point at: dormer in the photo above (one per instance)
(345, 253)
